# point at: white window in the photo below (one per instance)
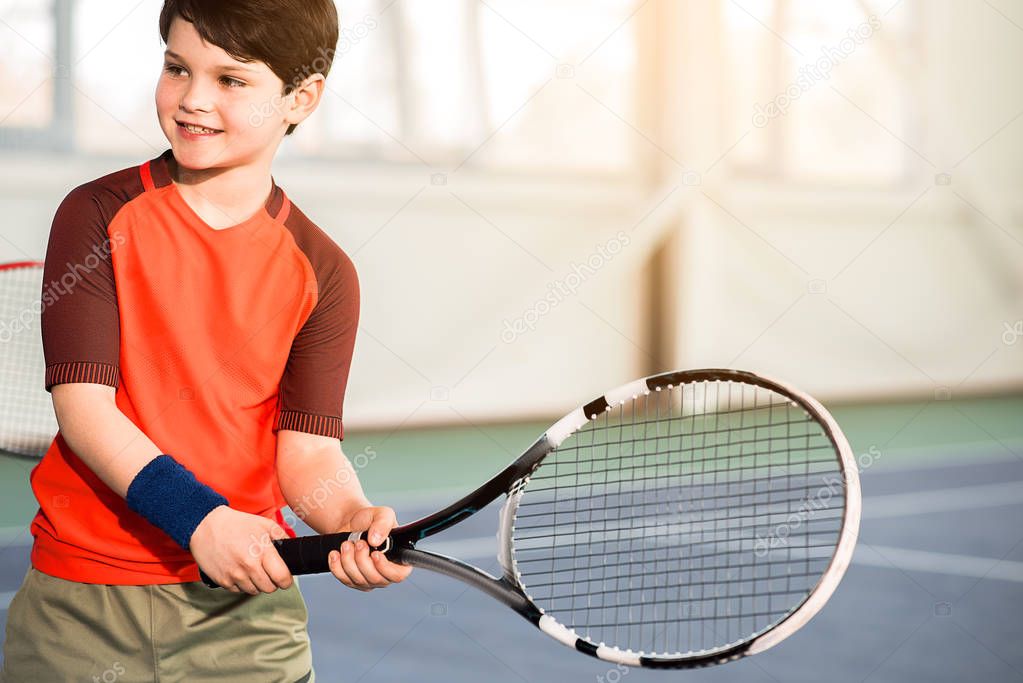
(499, 84)
(117, 57)
(27, 73)
(496, 84)
(819, 90)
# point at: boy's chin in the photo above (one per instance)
(187, 156)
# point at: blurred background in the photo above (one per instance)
(824, 193)
(548, 199)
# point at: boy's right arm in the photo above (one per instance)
(225, 544)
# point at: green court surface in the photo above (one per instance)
(419, 466)
(456, 459)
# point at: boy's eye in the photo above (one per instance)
(174, 69)
(231, 82)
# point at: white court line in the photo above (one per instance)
(874, 507)
(14, 536)
(880, 556)
(885, 557)
(939, 563)
(914, 458)
(462, 548)
(434, 498)
(943, 500)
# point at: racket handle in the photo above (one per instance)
(308, 554)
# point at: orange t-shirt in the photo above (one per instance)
(214, 340)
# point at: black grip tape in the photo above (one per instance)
(306, 554)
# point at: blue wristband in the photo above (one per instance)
(170, 497)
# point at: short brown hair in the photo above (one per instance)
(295, 38)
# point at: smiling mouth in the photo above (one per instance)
(198, 130)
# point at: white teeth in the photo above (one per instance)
(197, 130)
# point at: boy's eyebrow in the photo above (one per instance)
(222, 67)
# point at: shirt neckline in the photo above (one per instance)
(161, 177)
(200, 222)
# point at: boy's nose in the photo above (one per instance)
(196, 98)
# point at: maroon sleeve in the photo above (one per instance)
(80, 326)
(315, 378)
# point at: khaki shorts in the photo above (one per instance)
(61, 631)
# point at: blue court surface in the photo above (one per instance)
(935, 592)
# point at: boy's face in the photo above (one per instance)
(239, 105)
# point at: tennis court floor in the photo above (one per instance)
(935, 592)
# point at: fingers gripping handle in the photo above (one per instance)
(308, 554)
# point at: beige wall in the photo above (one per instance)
(923, 306)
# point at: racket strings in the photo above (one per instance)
(681, 521)
(27, 422)
(632, 505)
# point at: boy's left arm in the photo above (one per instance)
(322, 487)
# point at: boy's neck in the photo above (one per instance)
(224, 197)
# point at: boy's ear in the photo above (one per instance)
(304, 99)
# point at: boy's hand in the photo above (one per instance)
(236, 550)
(354, 565)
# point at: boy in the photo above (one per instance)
(197, 370)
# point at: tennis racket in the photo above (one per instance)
(27, 421)
(682, 520)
